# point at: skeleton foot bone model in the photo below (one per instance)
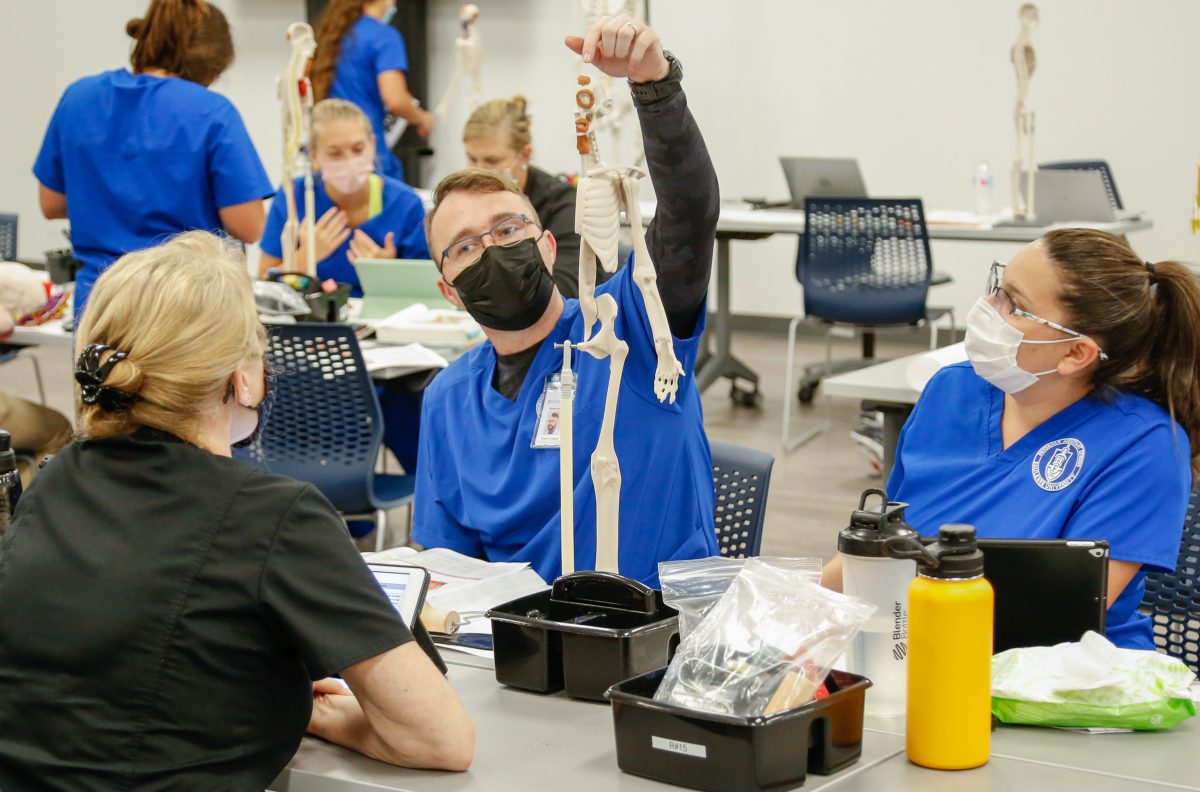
(603, 191)
(296, 98)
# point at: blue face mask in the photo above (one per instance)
(389, 15)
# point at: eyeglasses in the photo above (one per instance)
(468, 250)
(1002, 301)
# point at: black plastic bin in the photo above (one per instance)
(702, 750)
(588, 632)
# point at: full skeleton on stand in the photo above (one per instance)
(296, 96)
(603, 192)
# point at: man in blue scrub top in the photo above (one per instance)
(482, 488)
(131, 158)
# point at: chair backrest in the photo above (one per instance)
(741, 477)
(325, 424)
(1173, 600)
(865, 261)
(1106, 174)
(8, 237)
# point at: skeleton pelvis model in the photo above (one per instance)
(603, 192)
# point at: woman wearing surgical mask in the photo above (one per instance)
(360, 213)
(497, 138)
(361, 58)
(180, 601)
(1077, 415)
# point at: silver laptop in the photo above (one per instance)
(822, 176)
(1072, 196)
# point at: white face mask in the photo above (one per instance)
(992, 345)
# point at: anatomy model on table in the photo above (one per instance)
(468, 61)
(1024, 61)
(603, 192)
(296, 98)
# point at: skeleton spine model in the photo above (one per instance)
(295, 95)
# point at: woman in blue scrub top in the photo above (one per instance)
(1076, 417)
(361, 58)
(133, 157)
(360, 215)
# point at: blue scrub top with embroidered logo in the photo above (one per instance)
(1116, 469)
(403, 214)
(141, 158)
(368, 50)
(483, 491)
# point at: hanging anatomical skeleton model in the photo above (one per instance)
(468, 61)
(602, 193)
(296, 98)
(614, 107)
(1024, 61)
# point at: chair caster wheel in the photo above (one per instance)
(745, 397)
(806, 393)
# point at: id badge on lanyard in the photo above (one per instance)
(549, 414)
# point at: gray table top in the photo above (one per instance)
(531, 742)
(885, 382)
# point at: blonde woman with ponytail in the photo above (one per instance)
(133, 156)
(1077, 415)
(167, 608)
(498, 137)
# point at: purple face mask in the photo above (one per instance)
(348, 175)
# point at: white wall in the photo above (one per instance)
(919, 91)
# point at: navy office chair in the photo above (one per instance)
(1173, 600)
(741, 477)
(863, 262)
(1106, 174)
(325, 425)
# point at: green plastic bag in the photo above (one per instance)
(1091, 684)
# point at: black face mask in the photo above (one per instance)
(508, 288)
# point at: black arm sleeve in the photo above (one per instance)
(682, 234)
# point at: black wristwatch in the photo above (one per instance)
(647, 92)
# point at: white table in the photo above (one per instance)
(50, 334)
(884, 386)
(738, 221)
(529, 742)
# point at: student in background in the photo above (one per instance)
(360, 213)
(497, 137)
(167, 608)
(361, 58)
(133, 157)
(1077, 415)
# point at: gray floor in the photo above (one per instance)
(812, 490)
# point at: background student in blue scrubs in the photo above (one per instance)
(1077, 416)
(360, 214)
(361, 58)
(482, 488)
(133, 157)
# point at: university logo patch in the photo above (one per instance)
(1057, 464)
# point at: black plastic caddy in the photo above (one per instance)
(588, 632)
(703, 750)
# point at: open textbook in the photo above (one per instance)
(465, 586)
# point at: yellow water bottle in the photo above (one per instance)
(950, 612)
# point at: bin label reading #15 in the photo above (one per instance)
(675, 746)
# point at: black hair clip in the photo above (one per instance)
(90, 373)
